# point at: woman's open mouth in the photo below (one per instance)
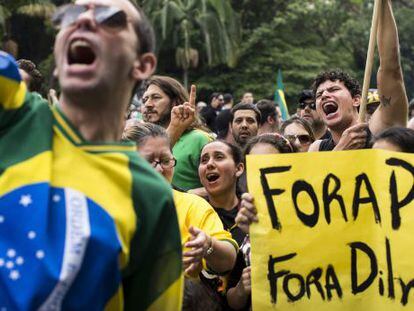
(212, 177)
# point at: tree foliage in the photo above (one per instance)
(238, 45)
(303, 38)
(209, 28)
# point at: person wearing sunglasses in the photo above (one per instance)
(81, 214)
(307, 111)
(299, 133)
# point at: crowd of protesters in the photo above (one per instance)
(198, 148)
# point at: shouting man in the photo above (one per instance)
(338, 95)
(80, 212)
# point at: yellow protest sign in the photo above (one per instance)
(335, 231)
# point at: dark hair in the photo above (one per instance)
(227, 98)
(176, 93)
(214, 96)
(36, 78)
(140, 132)
(305, 124)
(145, 32)
(401, 137)
(304, 95)
(276, 140)
(350, 83)
(174, 89)
(243, 106)
(223, 123)
(410, 107)
(267, 109)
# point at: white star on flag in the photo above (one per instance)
(26, 200)
(14, 275)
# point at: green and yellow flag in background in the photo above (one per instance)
(280, 96)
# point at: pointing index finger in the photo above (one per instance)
(192, 96)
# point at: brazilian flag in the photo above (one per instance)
(279, 97)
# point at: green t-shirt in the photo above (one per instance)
(187, 152)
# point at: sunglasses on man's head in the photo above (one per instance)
(303, 139)
(111, 18)
(312, 105)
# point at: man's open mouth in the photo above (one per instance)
(330, 108)
(81, 52)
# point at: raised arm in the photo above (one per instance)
(393, 108)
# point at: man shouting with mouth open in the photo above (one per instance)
(85, 223)
(338, 95)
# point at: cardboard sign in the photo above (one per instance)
(335, 231)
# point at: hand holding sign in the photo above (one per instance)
(247, 213)
(246, 281)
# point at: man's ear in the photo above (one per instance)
(356, 100)
(144, 66)
(270, 120)
(239, 169)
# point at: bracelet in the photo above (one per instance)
(210, 248)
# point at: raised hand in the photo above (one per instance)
(247, 213)
(182, 116)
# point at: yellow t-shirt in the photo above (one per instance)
(193, 210)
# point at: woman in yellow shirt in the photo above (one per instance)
(205, 242)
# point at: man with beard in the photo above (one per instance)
(245, 120)
(338, 95)
(86, 224)
(168, 104)
(307, 111)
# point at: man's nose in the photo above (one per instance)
(325, 94)
(148, 103)
(86, 20)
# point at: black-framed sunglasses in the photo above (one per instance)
(312, 105)
(303, 138)
(109, 17)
